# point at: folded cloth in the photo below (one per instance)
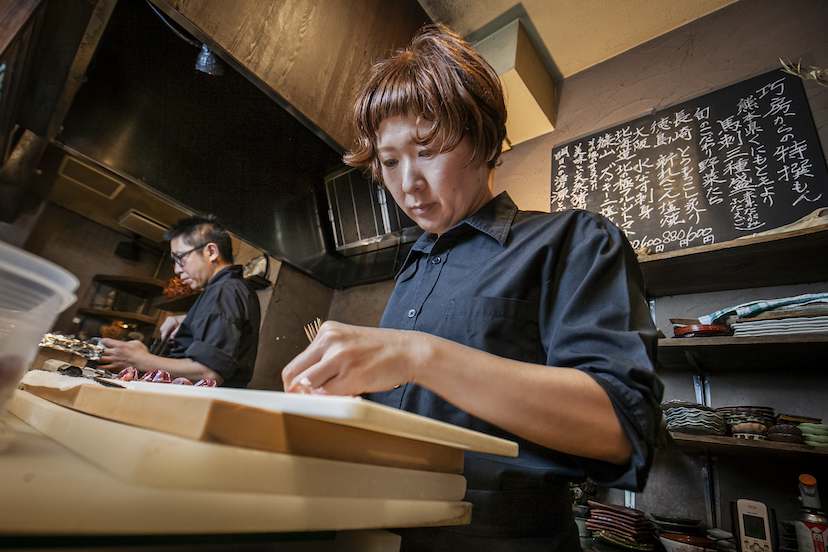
(746, 309)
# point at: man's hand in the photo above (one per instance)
(120, 354)
(170, 326)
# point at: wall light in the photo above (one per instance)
(207, 61)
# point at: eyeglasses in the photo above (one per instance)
(178, 258)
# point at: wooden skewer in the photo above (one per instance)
(312, 329)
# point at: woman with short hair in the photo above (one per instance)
(529, 326)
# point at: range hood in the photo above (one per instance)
(216, 145)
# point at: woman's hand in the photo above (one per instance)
(350, 360)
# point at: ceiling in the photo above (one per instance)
(572, 35)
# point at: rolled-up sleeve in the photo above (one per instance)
(221, 329)
(597, 321)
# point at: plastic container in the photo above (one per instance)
(33, 292)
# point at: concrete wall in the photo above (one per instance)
(84, 248)
(738, 42)
(297, 300)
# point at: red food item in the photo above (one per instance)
(176, 288)
(205, 383)
(127, 374)
(157, 376)
(181, 381)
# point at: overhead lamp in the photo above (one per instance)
(527, 84)
(207, 61)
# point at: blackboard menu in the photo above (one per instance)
(738, 161)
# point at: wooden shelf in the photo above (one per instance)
(795, 257)
(742, 447)
(177, 304)
(110, 315)
(739, 353)
(142, 287)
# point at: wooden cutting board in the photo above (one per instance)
(152, 459)
(338, 428)
(50, 490)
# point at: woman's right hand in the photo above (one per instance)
(170, 326)
(351, 360)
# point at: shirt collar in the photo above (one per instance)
(493, 219)
(232, 271)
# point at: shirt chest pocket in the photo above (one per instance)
(505, 327)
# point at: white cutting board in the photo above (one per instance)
(350, 411)
(152, 459)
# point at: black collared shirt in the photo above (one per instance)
(221, 330)
(561, 289)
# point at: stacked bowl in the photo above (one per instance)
(694, 418)
(748, 422)
(785, 433)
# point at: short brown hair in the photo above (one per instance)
(441, 79)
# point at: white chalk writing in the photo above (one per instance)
(670, 179)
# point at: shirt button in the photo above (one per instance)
(412, 312)
(435, 260)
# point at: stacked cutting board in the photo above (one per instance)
(284, 462)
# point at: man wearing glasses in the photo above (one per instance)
(218, 337)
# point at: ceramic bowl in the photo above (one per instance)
(671, 545)
(788, 429)
(749, 427)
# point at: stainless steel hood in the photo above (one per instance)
(212, 144)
